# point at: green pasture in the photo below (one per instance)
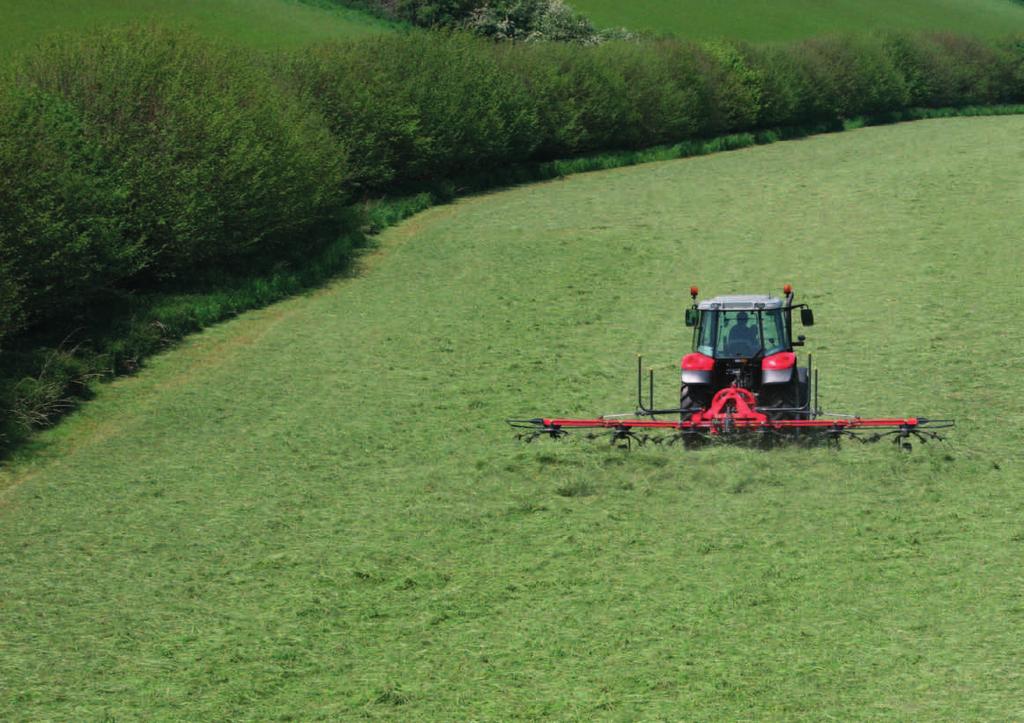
(255, 23)
(315, 511)
(761, 20)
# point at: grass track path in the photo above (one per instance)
(314, 510)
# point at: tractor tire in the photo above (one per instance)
(695, 396)
(794, 394)
(803, 392)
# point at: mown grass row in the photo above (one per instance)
(148, 163)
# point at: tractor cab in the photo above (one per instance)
(745, 326)
(741, 327)
(745, 340)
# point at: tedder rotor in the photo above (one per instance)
(741, 378)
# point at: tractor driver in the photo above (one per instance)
(743, 336)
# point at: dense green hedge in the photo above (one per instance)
(148, 153)
(134, 160)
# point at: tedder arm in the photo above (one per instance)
(729, 423)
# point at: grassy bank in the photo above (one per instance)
(263, 24)
(315, 510)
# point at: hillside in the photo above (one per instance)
(758, 20)
(256, 23)
(315, 511)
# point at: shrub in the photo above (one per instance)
(847, 76)
(559, 22)
(351, 86)
(949, 70)
(735, 88)
(430, 13)
(571, 93)
(418, 106)
(213, 158)
(783, 96)
(531, 20)
(653, 92)
(1014, 49)
(64, 211)
(471, 115)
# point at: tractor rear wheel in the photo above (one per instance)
(693, 396)
(786, 396)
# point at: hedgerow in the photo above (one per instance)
(139, 161)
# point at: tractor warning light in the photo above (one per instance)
(787, 289)
(694, 291)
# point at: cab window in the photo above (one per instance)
(774, 332)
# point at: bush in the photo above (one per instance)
(64, 211)
(734, 87)
(212, 159)
(572, 94)
(429, 13)
(348, 85)
(950, 70)
(136, 156)
(1014, 50)
(531, 20)
(653, 92)
(784, 90)
(846, 76)
(418, 106)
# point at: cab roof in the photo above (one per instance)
(740, 302)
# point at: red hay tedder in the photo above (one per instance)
(742, 377)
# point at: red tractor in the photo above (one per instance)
(747, 342)
(742, 377)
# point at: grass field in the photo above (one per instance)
(256, 23)
(315, 510)
(760, 20)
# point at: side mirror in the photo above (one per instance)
(806, 317)
(691, 317)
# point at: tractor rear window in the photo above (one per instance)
(739, 335)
